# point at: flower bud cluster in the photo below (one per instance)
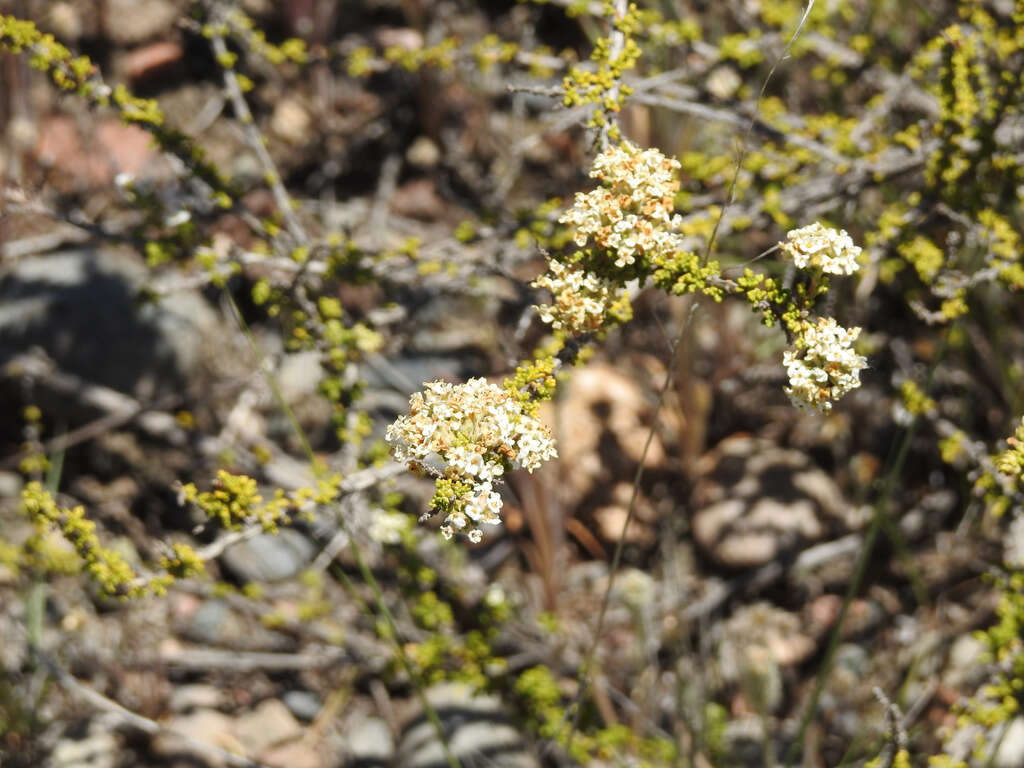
(479, 431)
(823, 365)
(581, 300)
(818, 246)
(630, 216)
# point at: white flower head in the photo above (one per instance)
(388, 527)
(630, 216)
(818, 246)
(580, 300)
(478, 430)
(823, 366)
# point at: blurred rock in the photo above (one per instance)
(1013, 543)
(478, 731)
(76, 161)
(611, 518)
(1010, 753)
(205, 725)
(79, 306)
(602, 426)
(291, 122)
(269, 557)
(214, 623)
(743, 741)
(66, 21)
(186, 698)
(400, 37)
(151, 60)
(299, 375)
(368, 742)
(99, 749)
(759, 632)
(305, 705)
(967, 668)
(293, 755)
(423, 153)
(723, 82)
(756, 501)
(134, 21)
(268, 725)
(418, 199)
(11, 484)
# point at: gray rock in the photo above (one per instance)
(1010, 753)
(133, 21)
(269, 557)
(204, 725)
(966, 669)
(299, 375)
(10, 485)
(80, 307)
(478, 730)
(755, 502)
(96, 750)
(196, 696)
(369, 742)
(305, 705)
(208, 621)
(1013, 543)
(743, 741)
(269, 724)
(214, 623)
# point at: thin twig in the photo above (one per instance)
(253, 137)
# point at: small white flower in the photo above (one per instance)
(818, 246)
(580, 300)
(388, 527)
(477, 429)
(823, 366)
(630, 216)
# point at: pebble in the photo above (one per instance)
(478, 732)
(72, 303)
(96, 750)
(268, 725)
(292, 755)
(369, 742)
(305, 705)
(10, 485)
(133, 21)
(269, 557)
(1010, 753)
(206, 725)
(966, 669)
(755, 502)
(186, 698)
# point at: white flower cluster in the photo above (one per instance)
(825, 367)
(478, 430)
(630, 214)
(581, 300)
(819, 246)
(388, 527)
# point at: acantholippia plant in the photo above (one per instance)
(627, 235)
(625, 232)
